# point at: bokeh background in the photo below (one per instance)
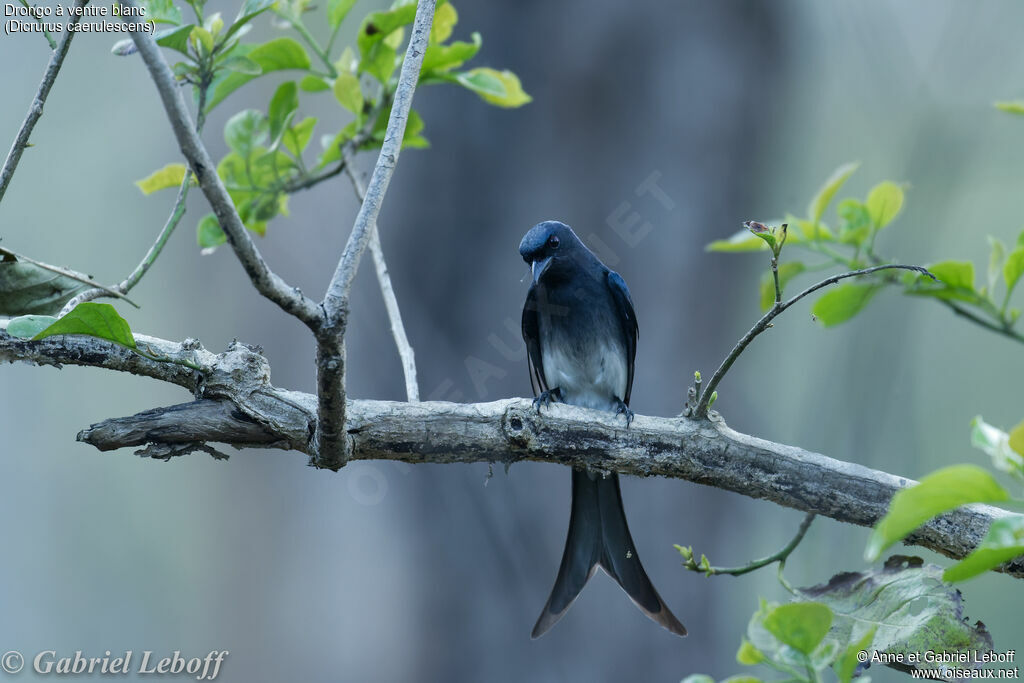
(386, 572)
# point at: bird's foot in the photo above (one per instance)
(546, 397)
(623, 409)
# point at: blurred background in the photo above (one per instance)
(388, 572)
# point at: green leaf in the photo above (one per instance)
(332, 144)
(337, 10)
(202, 39)
(748, 655)
(741, 240)
(297, 137)
(939, 492)
(1003, 542)
(955, 274)
(171, 175)
(1012, 106)
(820, 202)
(242, 65)
(500, 88)
(26, 288)
(698, 678)
(276, 55)
(28, 326)
(808, 231)
(161, 11)
(313, 84)
(244, 131)
(348, 92)
(1013, 268)
(847, 663)
(787, 271)
(174, 38)
(209, 234)
(854, 222)
(379, 61)
(94, 320)
(800, 625)
(283, 106)
(842, 303)
(445, 18)
(907, 605)
(995, 262)
(1007, 455)
(379, 25)
(441, 58)
(884, 203)
(249, 10)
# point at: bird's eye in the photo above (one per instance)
(553, 241)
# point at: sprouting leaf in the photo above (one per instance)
(250, 9)
(907, 605)
(854, 222)
(1012, 106)
(800, 625)
(26, 288)
(283, 106)
(313, 84)
(1013, 268)
(28, 326)
(348, 92)
(174, 38)
(379, 25)
(94, 320)
(741, 240)
(337, 10)
(170, 175)
(787, 271)
(842, 303)
(445, 18)
(1016, 439)
(441, 58)
(161, 11)
(939, 492)
(762, 232)
(244, 131)
(884, 203)
(275, 55)
(995, 262)
(748, 655)
(332, 144)
(820, 202)
(209, 234)
(955, 274)
(202, 38)
(500, 88)
(297, 137)
(1003, 542)
(1007, 456)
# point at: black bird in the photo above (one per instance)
(580, 331)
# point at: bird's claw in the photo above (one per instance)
(546, 397)
(623, 409)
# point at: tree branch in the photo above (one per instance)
(35, 110)
(240, 407)
(331, 447)
(267, 283)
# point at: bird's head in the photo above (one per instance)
(546, 244)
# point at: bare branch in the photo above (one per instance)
(331, 447)
(35, 110)
(267, 283)
(405, 351)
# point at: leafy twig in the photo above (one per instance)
(765, 322)
(781, 556)
(35, 110)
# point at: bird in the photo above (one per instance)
(581, 332)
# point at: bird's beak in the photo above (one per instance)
(538, 268)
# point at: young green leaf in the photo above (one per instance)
(175, 38)
(1013, 268)
(202, 39)
(379, 61)
(250, 9)
(170, 175)
(1016, 439)
(244, 131)
(1004, 541)
(283, 106)
(787, 271)
(800, 625)
(379, 25)
(500, 88)
(748, 654)
(442, 58)
(820, 202)
(28, 326)
(242, 65)
(1006, 450)
(884, 203)
(348, 92)
(297, 137)
(995, 262)
(741, 240)
(161, 11)
(313, 84)
(94, 320)
(275, 55)
(955, 274)
(337, 10)
(842, 303)
(940, 491)
(698, 678)
(1012, 106)
(209, 235)
(445, 18)
(854, 222)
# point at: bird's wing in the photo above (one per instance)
(531, 335)
(627, 321)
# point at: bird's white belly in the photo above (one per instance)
(595, 377)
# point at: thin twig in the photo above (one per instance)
(405, 351)
(68, 273)
(780, 556)
(46, 34)
(266, 281)
(1004, 330)
(35, 110)
(330, 446)
(764, 322)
